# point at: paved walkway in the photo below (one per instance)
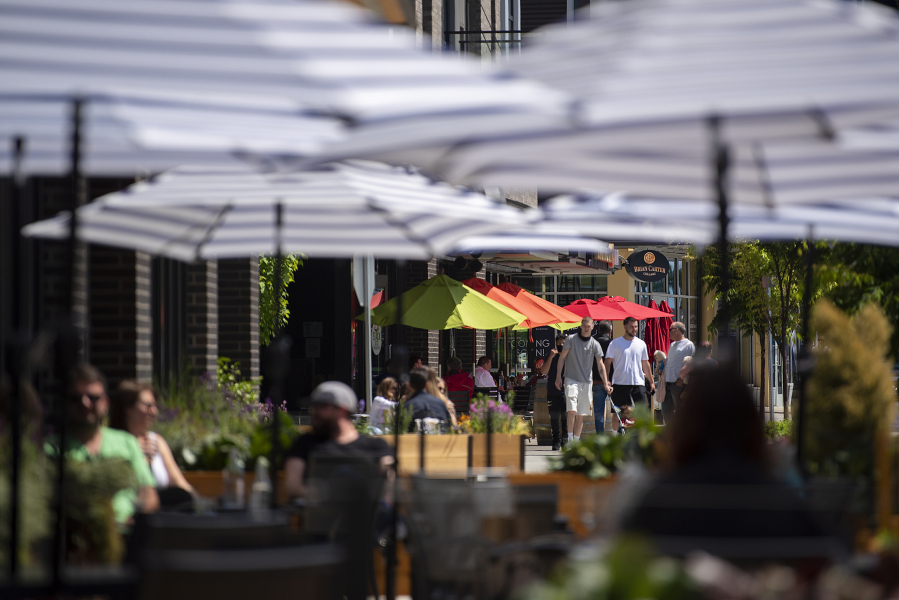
(536, 458)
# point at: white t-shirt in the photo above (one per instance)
(627, 357)
(483, 378)
(677, 352)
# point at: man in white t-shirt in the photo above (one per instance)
(680, 349)
(482, 376)
(630, 358)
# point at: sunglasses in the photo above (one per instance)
(77, 397)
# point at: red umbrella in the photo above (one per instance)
(665, 322)
(599, 312)
(632, 309)
(651, 333)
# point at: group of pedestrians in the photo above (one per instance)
(584, 371)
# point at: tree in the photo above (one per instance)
(273, 311)
(854, 275)
(749, 304)
(784, 263)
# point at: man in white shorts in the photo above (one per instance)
(578, 354)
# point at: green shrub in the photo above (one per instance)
(778, 430)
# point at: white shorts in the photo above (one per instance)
(579, 396)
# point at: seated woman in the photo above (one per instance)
(383, 402)
(437, 388)
(133, 409)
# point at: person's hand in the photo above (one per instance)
(608, 388)
(679, 382)
(652, 389)
(559, 383)
(553, 352)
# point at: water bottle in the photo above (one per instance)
(261, 492)
(233, 496)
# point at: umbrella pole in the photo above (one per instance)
(806, 360)
(399, 357)
(277, 355)
(14, 364)
(69, 342)
(721, 165)
(367, 265)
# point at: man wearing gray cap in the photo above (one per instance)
(333, 434)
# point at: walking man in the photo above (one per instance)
(555, 399)
(680, 349)
(578, 354)
(630, 358)
(604, 329)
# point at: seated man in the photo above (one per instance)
(482, 376)
(86, 407)
(456, 379)
(333, 434)
(423, 404)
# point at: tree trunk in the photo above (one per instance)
(784, 372)
(765, 389)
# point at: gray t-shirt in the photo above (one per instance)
(677, 352)
(581, 356)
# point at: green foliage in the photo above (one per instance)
(778, 430)
(92, 536)
(599, 456)
(630, 570)
(261, 441)
(35, 494)
(851, 391)
(270, 320)
(405, 419)
(856, 275)
(202, 419)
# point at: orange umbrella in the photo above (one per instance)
(536, 314)
(561, 315)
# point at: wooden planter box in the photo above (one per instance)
(419, 453)
(571, 489)
(209, 484)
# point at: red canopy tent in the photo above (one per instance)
(611, 308)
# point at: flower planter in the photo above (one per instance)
(419, 453)
(571, 490)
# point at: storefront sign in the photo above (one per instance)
(544, 340)
(647, 265)
(377, 339)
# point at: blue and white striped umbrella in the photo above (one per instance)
(339, 211)
(616, 217)
(220, 77)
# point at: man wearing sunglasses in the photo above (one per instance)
(87, 439)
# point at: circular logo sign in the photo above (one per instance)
(647, 265)
(377, 339)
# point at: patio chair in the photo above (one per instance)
(491, 392)
(523, 404)
(461, 401)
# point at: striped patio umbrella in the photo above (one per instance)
(338, 211)
(258, 77)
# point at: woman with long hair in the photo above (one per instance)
(133, 409)
(384, 402)
(437, 388)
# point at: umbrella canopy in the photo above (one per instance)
(564, 316)
(239, 76)
(444, 303)
(652, 334)
(536, 315)
(338, 211)
(596, 311)
(615, 216)
(631, 309)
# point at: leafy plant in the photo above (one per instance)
(92, 536)
(599, 456)
(778, 430)
(273, 308)
(502, 420)
(261, 441)
(851, 389)
(630, 570)
(231, 383)
(405, 419)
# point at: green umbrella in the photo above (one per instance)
(444, 303)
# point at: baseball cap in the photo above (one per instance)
(335, 393)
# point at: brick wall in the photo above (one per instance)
(202, 313)
(238, 313)
(120, 337)
(425, 343)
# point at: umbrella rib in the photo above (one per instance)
(209, 230)
(761, 165)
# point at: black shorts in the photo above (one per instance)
(628, 395)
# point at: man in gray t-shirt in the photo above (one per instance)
(680, 349)
(578, 355)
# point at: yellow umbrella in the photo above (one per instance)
(444, 303)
